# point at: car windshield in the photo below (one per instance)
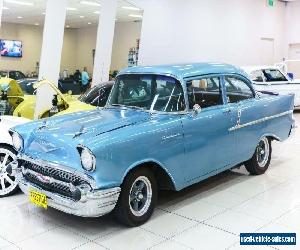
(147, 92)
(3, 73)
(27, 86)
(96, 96)
(66, 86)
(274, 75)
(17, 75)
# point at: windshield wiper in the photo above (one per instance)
(127, 106)
(135, 107)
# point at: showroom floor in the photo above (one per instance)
(210, 214)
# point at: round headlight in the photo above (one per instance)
(88, 160)
(17, 141)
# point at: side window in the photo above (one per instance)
(205, 92)
(257, 76)
(237, 90)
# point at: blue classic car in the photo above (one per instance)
(163, 127)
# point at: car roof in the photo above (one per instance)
(181, 71)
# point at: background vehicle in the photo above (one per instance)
(95, 97)
(273, 79)
(163, 127)
(13, 74)
(21, 96)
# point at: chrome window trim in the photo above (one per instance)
(267, 118)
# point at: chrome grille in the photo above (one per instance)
(63, 182)
(54, 187)
(55, 173)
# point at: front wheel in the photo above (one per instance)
(138, 198)
(261, 158)
(8, 183)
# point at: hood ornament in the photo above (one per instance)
(44, 125)
(81, 131)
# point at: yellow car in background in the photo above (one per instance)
(22, 100)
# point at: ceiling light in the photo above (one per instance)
(19, 2)
(68, 26)
(97, 12)
(130, 8)
(89, 23)
(132, 15)
(44, 13)
(36, 24)
(19, 17)
(71, 8)
(81, 16)
(90, 3)
(5, 8)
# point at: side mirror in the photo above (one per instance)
(196, 109)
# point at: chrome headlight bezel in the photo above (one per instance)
(87, 158)
(17, 141)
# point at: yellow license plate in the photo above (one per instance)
(38, 199)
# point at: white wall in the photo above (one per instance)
(292, 34)
(77, 47)
(176, 31)
(123, 39)
(31, 36)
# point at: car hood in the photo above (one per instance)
(96, 122)
(56, 139)
(80, 126)
(76, 106)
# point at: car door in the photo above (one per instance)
(208, 142)
(241, 96)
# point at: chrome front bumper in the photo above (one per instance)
(93, 202)
(97, 203)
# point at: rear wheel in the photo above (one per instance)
(8, 183)
(138, 198)
(261, 158)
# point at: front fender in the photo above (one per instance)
(147, 161)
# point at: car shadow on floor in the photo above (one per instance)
(203, 188)
(108, 223)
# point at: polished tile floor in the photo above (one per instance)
(209, 215)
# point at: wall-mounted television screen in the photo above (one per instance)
(11, 48)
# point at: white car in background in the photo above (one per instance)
(273, 79)
(7, 153)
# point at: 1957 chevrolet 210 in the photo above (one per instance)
(163, 127)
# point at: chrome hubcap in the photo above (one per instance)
(7, 183)
(140, 196)
(262, 152)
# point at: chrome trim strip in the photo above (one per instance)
(170, 136)
(73, 171)
(239, 126)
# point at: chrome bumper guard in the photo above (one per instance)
(93, 202)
